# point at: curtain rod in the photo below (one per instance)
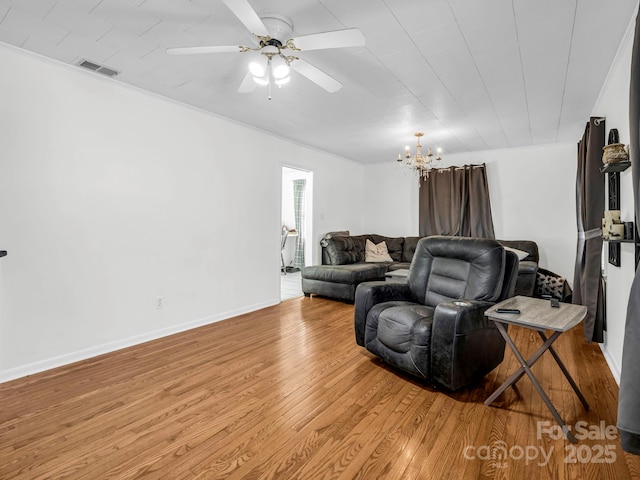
(446, 169)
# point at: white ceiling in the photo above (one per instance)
(472, 74)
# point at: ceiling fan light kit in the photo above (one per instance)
(273, 66)
(270, 30)
(261, 80)
(257, 69)
(279, 67)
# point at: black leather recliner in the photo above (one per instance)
(433, 326)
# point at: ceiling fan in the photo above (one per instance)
(278, 52)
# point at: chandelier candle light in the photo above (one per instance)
(419, 163)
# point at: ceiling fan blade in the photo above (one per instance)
(247, 85)
(204, 49)
(316, 75)
(247, 16)
(350, 37)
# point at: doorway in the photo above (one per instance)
(297, 220)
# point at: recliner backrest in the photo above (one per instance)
(451, 268)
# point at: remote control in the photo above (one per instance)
(555, 303)
(507, 310)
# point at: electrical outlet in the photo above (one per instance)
(159, 302)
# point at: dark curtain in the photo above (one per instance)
(587, 279)
(455, 201)
(629, 398)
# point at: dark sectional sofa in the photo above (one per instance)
(527, 266)
(344, 268)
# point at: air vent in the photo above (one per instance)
(109, 72)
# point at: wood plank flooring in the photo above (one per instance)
(286, 393)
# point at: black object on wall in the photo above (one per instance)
(628, 400)
(630, 232)
(613, 186)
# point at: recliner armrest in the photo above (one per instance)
(369, 294)
(527, 267)
(464, 343)
(460, 317)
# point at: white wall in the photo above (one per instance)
(532, 194)
(613, 103)
(391, 200)
(111, 197)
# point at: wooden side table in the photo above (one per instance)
(537, 314)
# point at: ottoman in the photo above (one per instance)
(340, 281)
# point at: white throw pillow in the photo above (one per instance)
(520, 253)
(376, 253)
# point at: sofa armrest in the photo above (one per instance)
(369, 294)
(464, 343)
(527, 278)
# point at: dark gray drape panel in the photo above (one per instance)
(587, 279)
(629, 398)
(455, 201)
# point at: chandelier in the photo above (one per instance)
(419, 163)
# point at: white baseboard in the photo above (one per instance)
(615, 369)
(54, 362)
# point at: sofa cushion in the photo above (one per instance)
(550, 283)
(408, 248)
(395, 245)
(352, 274)
(344, 250)
(376, 252)
(326, 260)
(341, 233)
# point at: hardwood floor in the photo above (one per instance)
(285, 393)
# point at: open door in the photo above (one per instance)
(297, 219)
